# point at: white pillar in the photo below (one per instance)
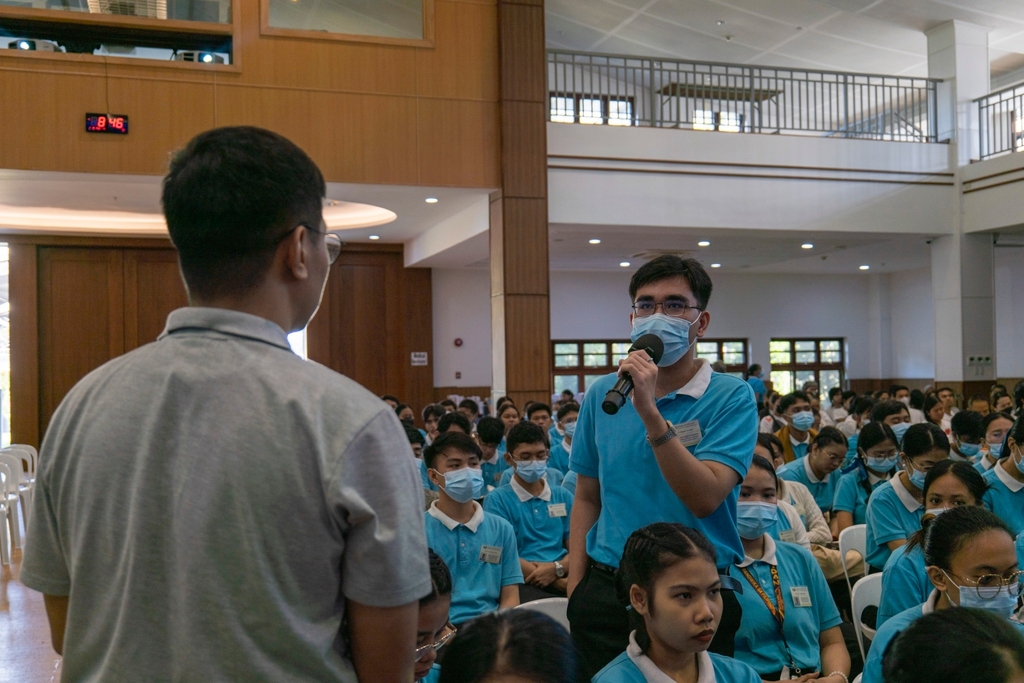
(958, 54)
(880, 327)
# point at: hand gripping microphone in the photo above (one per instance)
(616, 398)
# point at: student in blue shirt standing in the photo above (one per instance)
(478, 547)
(878, 455)
(538, 510)
(896, 507)
(817, 469)
(754, 379)
(790, 620)
(675, 452)
(673, 566)
(566, 426)
(1005, 496)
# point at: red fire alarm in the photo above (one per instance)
(458, 341)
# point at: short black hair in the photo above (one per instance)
(568, 407)
(448, 403)
(967, 423)
(389, 397)
(536, 408)
(524, 432)
(893, 388)
(230, 196)
(414, 435)
(1018, 394)
(490, 430)
(440, 579)
(457, 440)
(992, 417)
(762, 463)
(862, 404)
(884, 409)
(789, 399)
(835, 390)
(470, 404)
(669, 266)
(434, 410)
(457, 419)
(753, 368)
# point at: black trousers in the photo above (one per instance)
(601, 627)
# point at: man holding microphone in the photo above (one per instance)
(675, 452)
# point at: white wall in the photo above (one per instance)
(912, 324)
(1009, 312)
(462, 310)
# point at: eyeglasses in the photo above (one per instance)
(449, 633)
(671, 308)
(334, 243)
(539, 458)
(989, 585)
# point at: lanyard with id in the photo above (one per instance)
(778, 614)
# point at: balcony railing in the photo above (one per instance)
(1001, 122)
(638, 91)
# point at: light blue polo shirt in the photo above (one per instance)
(492, 471)
(982, 465)
(758, 642)
(427, 484)
(758, 387)
(613, 449)
(823, 490)
(892, 514)
(541, 523)
(553, 476)
(1020, 550)
(558, 458)
(887, 632)
(1005, 497)
(905, 583)
(569, 483)
(477, 579)
(631, 665)
(433, 676)
(554, 438)
(851, 496)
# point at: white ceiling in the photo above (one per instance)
(872, 36)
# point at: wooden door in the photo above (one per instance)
(152, 289)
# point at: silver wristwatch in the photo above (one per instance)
(559, 570)
(664, 438)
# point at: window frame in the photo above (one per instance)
(579, 370)
(817, 366)
(426, 41)
(721, 342)
(577, 98)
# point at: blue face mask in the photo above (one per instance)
(997, 599)
(996, 450)
(881, 464)
(569, 429)
(899, 429)
(1020, 462)
(969, 450)
(531, 471)
(674, 332)
(916, 475)
(464, 485)
(803, 420)
(754, 519)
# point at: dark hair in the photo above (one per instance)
(414, 435)
(930, 403)
(501, 401)
(884, 409)
(456, 440)
(893, 388)
(916, 399)
(967, 423)
(998, 395)
(524, 432)
(448, 402)
(975, 398)
(968, 476)
(950, 532)
(761, 462)
(961, 644)
(440, 580)
(434, 410)
(849, 394)
(668, 266)
(941, 389)
(506, 406)
(402, 406)
(990, 418)
(875, 433)
(922, 438)
(1016, 433)
(568, 407)
(771, 442)
(789, 399)
(568, 391)
(650, 551)
(536, 408)
(515, 642)
(833, 391)
(470, 404)
(755, 368)
(389, 397)
(230, 197)
(490, 430)
(1018, 394)
(455, 418)
(829, 436)
(862, 404)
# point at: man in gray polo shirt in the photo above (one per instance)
(211, 507)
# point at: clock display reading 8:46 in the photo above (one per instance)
(116, 124)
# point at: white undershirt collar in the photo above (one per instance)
(811, 476)
(473, 524)
(767, 558)
(525, 495)
(929, 605)
(904, 495)
(1008, 480)
(651, 672)
(697, 385)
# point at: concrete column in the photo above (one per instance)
(880, 327)
(958, 54)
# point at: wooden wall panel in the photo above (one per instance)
(153, 288)
(466, 34)
(23, 291)
(418, 319)
(453, 137)
(358, 296)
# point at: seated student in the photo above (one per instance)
(966, 436)
(797, 417)
(550, 474)
(478, 547)
(971, 562)
(490, 433)
(672, 566)
(538, 510)
(979, 405)
(995, 426)
(431, 416)
(771, 420)
(514, 646)
(418, 443)
(904, 581)
(860, 415)
(836, 407)
(1002, 403)
(961, 644)
(540, 415)
(509, 414)
(896, 507)
(808, 639)
(795, 493)
(817, 469)
(449, 405)
(894, 414)
(454, 422)
(566, 427)
(878, 456)
(902, 394)
(934, 410)
(1005, 495)
(469, 409)
(433, 630)
(390, 400)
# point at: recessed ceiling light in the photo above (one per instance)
(865, 267)
(624, 264)
(807, 246)
(374, 237)
(721, 22)
(431, 200)
(703, 243)
(595, 241)
(716, 265)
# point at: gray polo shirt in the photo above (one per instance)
(209, 501)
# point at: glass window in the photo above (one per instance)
(814, 360)
(805, 376)
(707, 350)
(619, 352)
(829, 379)
(591, 110)
(567, 355)
(734, 353)
(620, 113)
(382, 18)
(782, 381)
(779, 353)
(729, 122)
(595, 355)
(831, 357)
(703, 120)
(563, 382)
(805, 357)
(588, 381)
(563, 109)
(831, 345)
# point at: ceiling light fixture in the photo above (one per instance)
(865, 267)
(807, 246)
(624, 264)
(716, 265)
(374, 237)
(703, 243)
(595, 241)
(431, 200)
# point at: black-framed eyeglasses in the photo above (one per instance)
(448, 634)
(333, 242)
(672, 308)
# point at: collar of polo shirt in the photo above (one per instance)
(768, 557)
(525, 495)
(473, 524)
(904, 495)
(697, 385)
(1007, 479)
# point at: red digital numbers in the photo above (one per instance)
(106, 123)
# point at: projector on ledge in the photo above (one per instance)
(36, 45)
(196, 56)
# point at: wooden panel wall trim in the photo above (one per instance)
(23, 288)
(152, 289)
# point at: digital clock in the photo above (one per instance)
(107, 123)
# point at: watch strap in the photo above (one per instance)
(664, 438)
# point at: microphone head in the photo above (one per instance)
(652, 344)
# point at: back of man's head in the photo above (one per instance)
(230, 197)
(490, 430)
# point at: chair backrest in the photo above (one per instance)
(867, 592)
(854, 538)
(6, 487)
(31, 450)
(556, 608)
(15, 464)
(28, 463)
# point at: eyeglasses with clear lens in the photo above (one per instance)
(333, 242)
(448, 633)
(988, 586)
(671, 308)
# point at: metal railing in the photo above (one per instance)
(1001, 122)
(639, 91)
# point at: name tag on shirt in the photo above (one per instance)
(689, 433)
(801, 596)
(556, 510)
(789, 536)
(491, 554)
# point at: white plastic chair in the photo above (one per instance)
(866, 593)
(13, 492)
(33, 458)
(27, 485)
(853, 538)
(5, 540)
(556, 608)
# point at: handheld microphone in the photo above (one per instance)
(616, 398)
